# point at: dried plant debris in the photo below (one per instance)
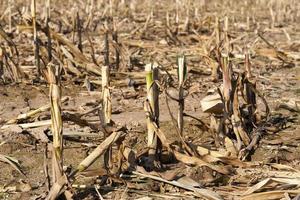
(136, 99)
(12, 161)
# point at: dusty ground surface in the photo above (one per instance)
(144, 40)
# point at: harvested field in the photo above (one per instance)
(136, 99)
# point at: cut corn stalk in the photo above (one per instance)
(35, 36)
(106, 96)
(56, 122)
(227, 86)
(152, 97)
(79, 31)
(49, 42)
(115, 38)
(106, 109)
(59, 179)
(106, 49)
(250, 95)
(182, 74)
(226, 35)
(106, 100)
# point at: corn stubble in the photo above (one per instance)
(59, 179)
(56, 121)
(237, 120)
(152, 105)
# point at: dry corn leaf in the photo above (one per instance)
(12, 161)
(216, 156)
(190, 160)
(277, 194)
(262, 184)
(202, 193)
(284, 167)
(212, 104)
(257, 186)
(230, 147)
(272, 54)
